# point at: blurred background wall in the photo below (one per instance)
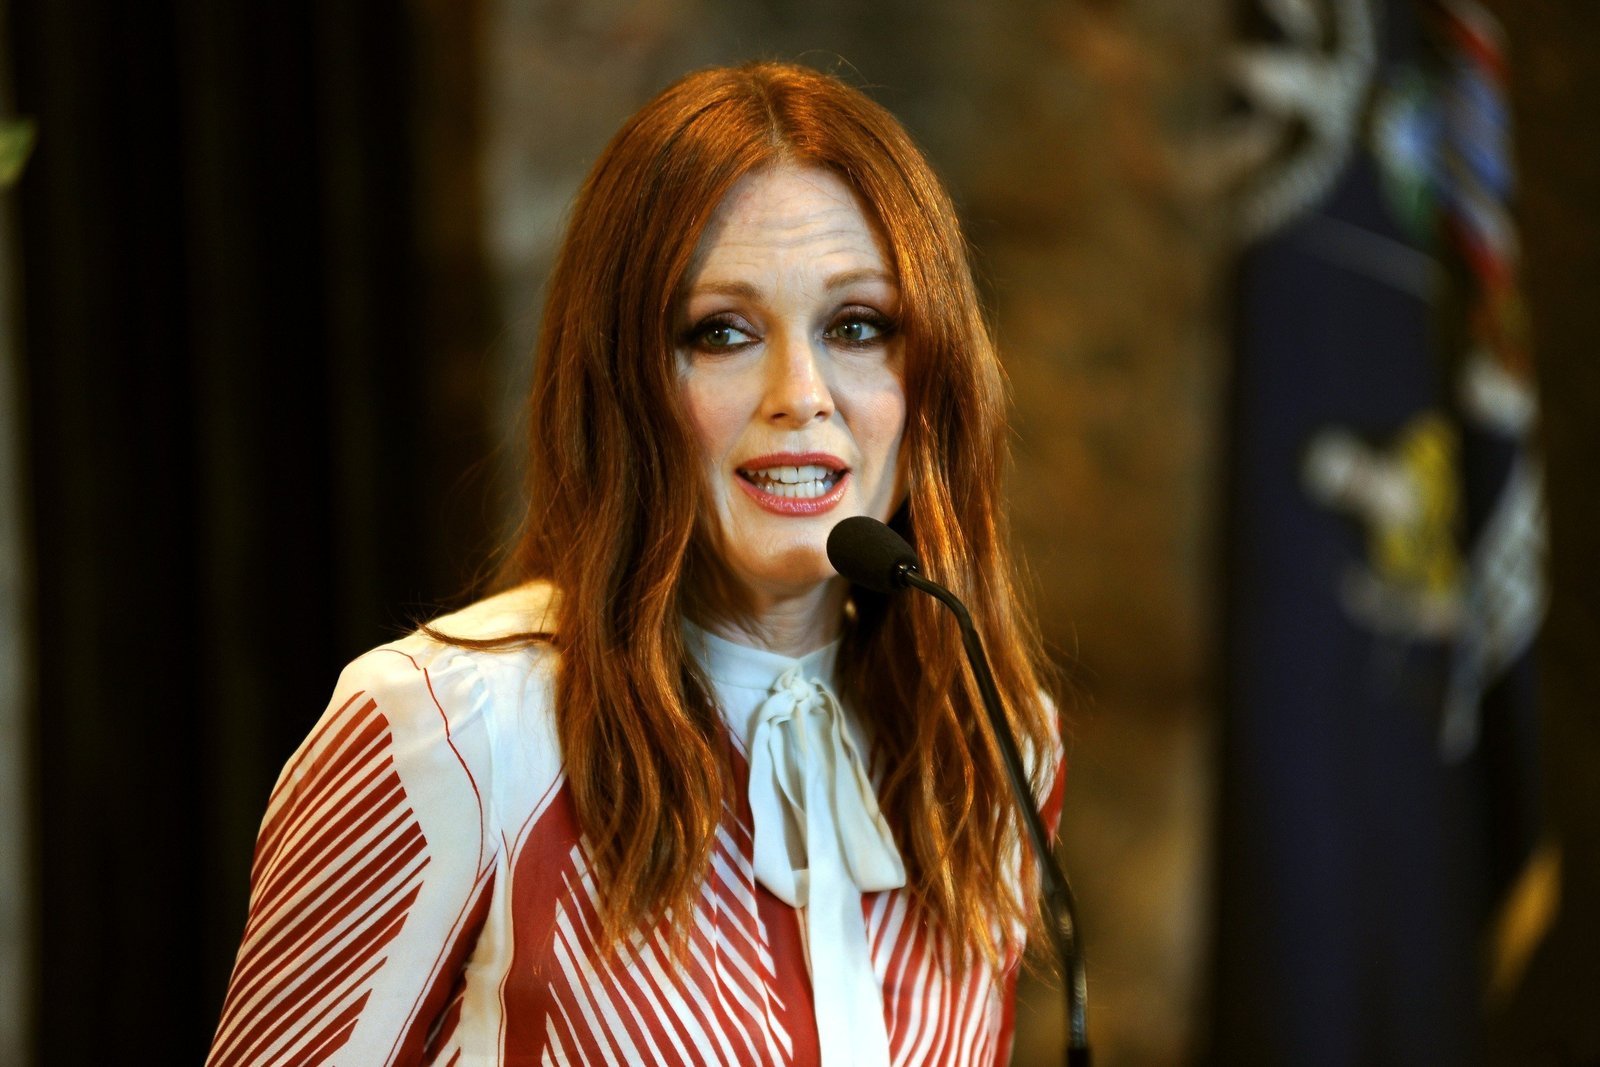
(271, 276)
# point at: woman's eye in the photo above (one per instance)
(719, 337)
(860, 329)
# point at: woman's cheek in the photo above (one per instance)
(705, 415)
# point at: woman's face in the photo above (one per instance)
(790, 361)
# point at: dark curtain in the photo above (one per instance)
(243, 456)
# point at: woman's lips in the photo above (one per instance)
(794, 483)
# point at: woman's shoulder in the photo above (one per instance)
(529, 608)
(476, 648)
(446, 712)
(442, 678)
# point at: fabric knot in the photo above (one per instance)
(810, 796)
(820, 842)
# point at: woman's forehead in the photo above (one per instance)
(805, 217)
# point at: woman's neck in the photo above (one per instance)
(788, 625)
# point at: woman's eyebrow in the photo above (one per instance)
(739, 289)
(746, 291)
(863, 274)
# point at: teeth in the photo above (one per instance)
(799, 490)
(792, 475)
(796, 483)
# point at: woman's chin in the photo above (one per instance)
(795, 576)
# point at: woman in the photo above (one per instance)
(681, 795)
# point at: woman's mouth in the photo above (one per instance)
(797, 483)
(805, 485)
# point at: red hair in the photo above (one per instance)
(616, 518)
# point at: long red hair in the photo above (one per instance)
(616, 516)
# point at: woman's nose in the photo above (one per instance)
(797, 391)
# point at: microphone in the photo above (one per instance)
(872, 555)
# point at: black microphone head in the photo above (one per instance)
(870, 554)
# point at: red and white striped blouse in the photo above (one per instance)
(421, 895)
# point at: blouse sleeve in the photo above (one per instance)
(372, 870)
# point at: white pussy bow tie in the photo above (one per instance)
(820, 842)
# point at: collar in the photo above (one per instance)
(730, 663)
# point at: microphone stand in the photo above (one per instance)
(1058, 898)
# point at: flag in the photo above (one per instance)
(1382, 545)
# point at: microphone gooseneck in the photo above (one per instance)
(872, 555)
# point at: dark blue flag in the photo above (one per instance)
(1382, 547)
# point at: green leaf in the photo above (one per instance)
(16, 142)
